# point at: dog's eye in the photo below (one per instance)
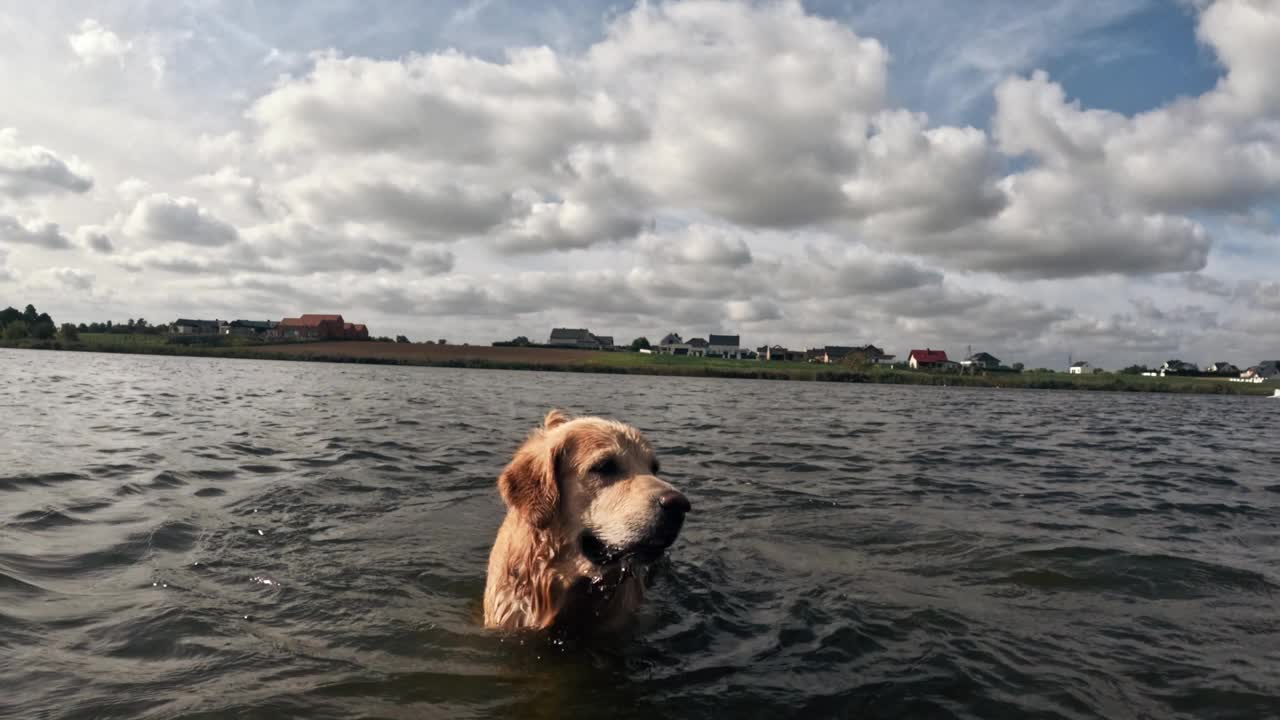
(608, 466)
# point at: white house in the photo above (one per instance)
(1081, 367)
(673, 344)
(725, 346)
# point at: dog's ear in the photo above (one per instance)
(555, 418)
(528, 484)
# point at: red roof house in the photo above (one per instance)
(356, 331)
(927, 359)
(313, 327)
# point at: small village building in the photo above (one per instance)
(1178, 367)
(981, 361)
(183, 326)
(572, 338)
(929, 359)
(579, 338)
(313, 327)
(672, 344)
(1265, 370)
(249, 328)
(872, 355)
(779, 353)
(1082, 367)
(831, 354)
(725, 346)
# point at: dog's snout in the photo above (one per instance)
(674, 503)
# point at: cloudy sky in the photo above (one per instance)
(1028, 177)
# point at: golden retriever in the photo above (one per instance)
(587, 516)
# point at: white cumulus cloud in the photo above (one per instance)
(94, 43)
(163, 218)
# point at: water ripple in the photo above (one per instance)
(267, 539)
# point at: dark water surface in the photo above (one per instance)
(221, 538)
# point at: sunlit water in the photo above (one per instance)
(225, 538)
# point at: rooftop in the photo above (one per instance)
(570, 334)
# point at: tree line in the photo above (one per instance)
(28, 323)
(138, 326)
(31, 324)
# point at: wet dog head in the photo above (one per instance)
(594, 484)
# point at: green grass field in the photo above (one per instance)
(120, 340)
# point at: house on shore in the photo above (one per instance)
(779, 353)
(312, 327)
(249, 328)
(355, 331)
(981, 361)
(1265, 370)
(726, 346)
(672, 344)
(929, 359)
(573, 338)
(1222, 368)
(1082, 367)
(872, 355)
(183, 326)
(829, 354)
(580, 339)
(1178, 367)
(717, 346)
(834, 354)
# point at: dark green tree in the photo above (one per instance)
(8, 315)
(15, 330)
(70, 333)
(640, 343)
(30, 315)
(43, 330)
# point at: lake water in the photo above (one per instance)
(224, 538)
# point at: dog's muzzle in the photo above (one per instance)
(673, 506)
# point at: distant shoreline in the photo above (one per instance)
(483, 357)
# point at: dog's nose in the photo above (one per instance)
(674, 502)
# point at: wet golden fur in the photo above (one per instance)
(539, 577)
